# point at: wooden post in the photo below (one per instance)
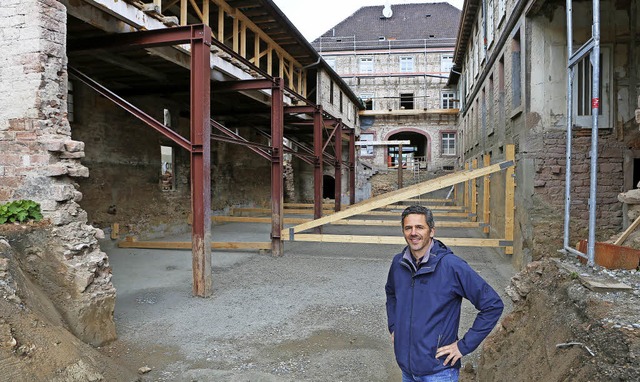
(486, 195)
(183, 12)
(400, 166)
(509, 200)
(115, 231)
(474, 193)
(466, 189)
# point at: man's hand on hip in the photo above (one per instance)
(451, 351)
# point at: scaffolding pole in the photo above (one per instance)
(591, 47)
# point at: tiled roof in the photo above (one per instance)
(433, 23)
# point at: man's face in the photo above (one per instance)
(417, 233)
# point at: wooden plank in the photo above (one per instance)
(307, 205)
(627, 232)
(432, 200)
(292, 211)
(253, 219)
(115, 231)
(474, 194)
(183, 12)
(205, 12)
(220, 24)
(396, 223)
(381, 143)
(403, 194)
(432, 208)
(486, 195)
(509, 200)
(362, 239)
(187, 245)
(466, 189)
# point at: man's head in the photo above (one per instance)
(418, 228)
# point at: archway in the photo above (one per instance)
(328, 187)
(418, 151)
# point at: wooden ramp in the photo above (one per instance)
(366, 207)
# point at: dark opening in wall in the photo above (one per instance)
(328, 187)
(406, 101)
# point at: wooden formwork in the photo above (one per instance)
(467, 177)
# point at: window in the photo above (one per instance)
(448, 143)
(167, 180)
(446, 63)
(582, 90)
(502, 10)
(406, 101)
(516, 74)
(366, 64)
(490, 102)
(367, 99)
(447, 99)
(331, 91)
(331, 61)
(341, 106)
(406, 64)
(70, 108)
(366, 150)
(490, 28)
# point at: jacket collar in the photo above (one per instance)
(437, 250)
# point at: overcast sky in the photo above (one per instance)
(313, 18)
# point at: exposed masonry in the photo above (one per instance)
(40, 160)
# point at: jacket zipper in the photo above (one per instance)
(413, 282)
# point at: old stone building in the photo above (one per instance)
(397, 59)
(510, 69)
(150, 115)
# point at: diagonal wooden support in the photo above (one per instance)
(401, 194)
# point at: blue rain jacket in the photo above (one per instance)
(423, 308)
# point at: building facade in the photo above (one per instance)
(511, 70)
(397, 59)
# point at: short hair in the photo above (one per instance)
(419, 210)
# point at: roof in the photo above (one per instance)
(271, 20)
(410, 25)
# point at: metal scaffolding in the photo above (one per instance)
(592, 48)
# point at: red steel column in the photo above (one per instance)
(338, 164)
(277, 159)
(352, 167)
(201, 161)
(317, 168)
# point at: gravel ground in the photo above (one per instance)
(315, 314)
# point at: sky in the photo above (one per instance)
(314, 17)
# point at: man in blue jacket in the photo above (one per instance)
(425, 287)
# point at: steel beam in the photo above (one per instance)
(317, 168)
(138, 40)
(240, 85)
(277, 159)
(201, 160)
(234, 138)
(338, 165)
(141, 115)
(352, 166)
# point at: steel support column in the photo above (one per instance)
(338, 165)
(317, 168)
(352, 167)
(277, 160)
(201, 161)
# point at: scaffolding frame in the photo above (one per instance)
(591, 48)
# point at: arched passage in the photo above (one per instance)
(419, 150)
(328, 187)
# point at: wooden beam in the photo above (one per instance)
(509, 200)
(307, 205)
(627, 232)
(466, 189)
(403, 194)
(474, 193)
(396, 223)
(187, 245)
(432, 208)
(399, 240)
(486, 195)
(293, 211)
(436, 200)
(382, 143)
(253, 219)
(115, 231)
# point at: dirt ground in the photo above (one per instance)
(316, 314)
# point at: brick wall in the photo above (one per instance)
(40, 161)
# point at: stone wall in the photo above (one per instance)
(40, 161)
